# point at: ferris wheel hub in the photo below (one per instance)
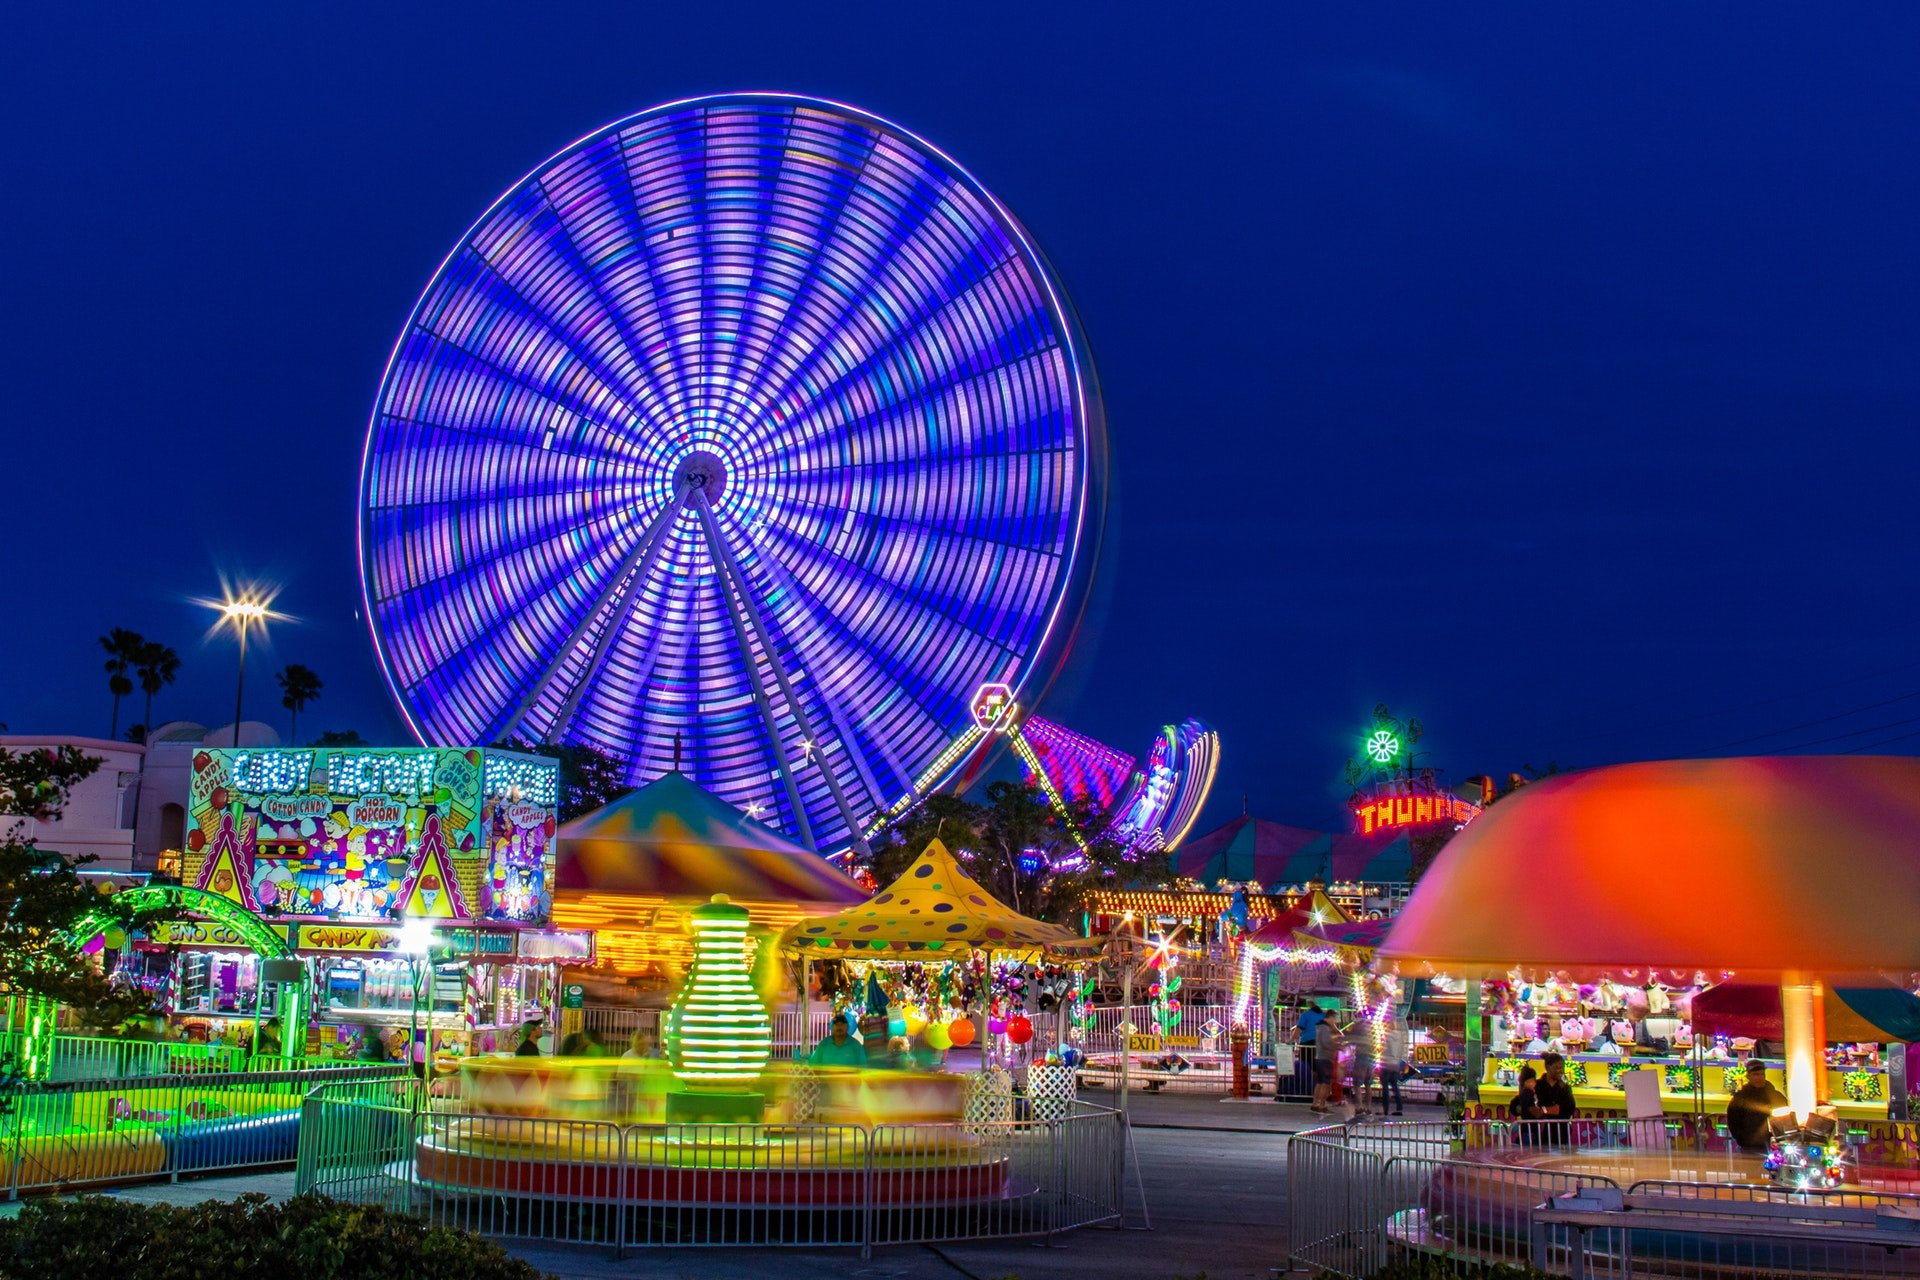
(701, 472)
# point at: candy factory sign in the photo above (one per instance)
(313, 937)
(1389, 811)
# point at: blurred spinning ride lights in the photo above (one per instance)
(1806, 1155)
(720, 1035)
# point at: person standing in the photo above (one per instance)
(1555, 1097)
(1393, 1065)
(1326, 1050)
(529, 1046)
(1363, 1069)
(1750, 1109)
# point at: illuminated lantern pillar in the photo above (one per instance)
(721, 1036)
(36, 1046)
(1803, 1016)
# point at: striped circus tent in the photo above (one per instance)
(631, 871)
(1253, 850)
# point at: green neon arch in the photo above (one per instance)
(265, 941)
(252, 930)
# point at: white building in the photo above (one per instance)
(135, 804)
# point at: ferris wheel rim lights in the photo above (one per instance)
(849, 707)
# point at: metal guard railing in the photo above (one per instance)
(59, 1135)
(624, 1186)
(1471, 1193)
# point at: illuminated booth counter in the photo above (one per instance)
(331, 853)
(1858, 1093)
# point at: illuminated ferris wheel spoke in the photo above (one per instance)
(551, 271)
(942, 358)
(724, 559)
(623, 586)
(541, 352)
(901, 717)
(840, 584)
(821, 666)
(654, 385)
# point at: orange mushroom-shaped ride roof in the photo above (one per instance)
(1759, 867)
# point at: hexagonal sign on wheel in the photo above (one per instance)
(992, 706)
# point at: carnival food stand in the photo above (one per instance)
(336, 852)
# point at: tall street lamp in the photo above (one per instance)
(242, 613)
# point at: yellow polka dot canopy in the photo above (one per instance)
(934, 907)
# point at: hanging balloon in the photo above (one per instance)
(896, 1026)
(937, 1037)
(1019, 1028)
(996, 1026)
(916, 1023)
(116, 937)
(960, 1032)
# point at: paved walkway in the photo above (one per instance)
(1214, 1173)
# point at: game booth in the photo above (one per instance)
(1808, 983)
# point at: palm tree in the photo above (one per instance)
(156, 665)
(123, 649)
(298, 686)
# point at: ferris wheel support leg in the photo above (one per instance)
(725, 559)
(641, 560)
(834, 713)
(741, 637)
(656, 538)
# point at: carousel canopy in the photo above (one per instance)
(1251, 849)
(1314, 909)
(1759, 867)
(933, 906)
(1354, 941)
(671, 839)
(1855, 1015)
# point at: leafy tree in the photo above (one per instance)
(340, 738)
(1021, 850)
(298, 686)
(155, 665)
(34, 783)
(123, 650)
(589, 778)
(42, 894)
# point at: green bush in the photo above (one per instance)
(306, 1238)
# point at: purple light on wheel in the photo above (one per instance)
(750, 429)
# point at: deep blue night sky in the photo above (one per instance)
(1548, 373)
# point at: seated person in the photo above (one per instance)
(838, 1049)
(1751, 1108)
(1604, 1046)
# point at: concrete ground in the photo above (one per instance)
(1213, 1172)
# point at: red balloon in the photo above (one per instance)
(1019, 1028)
(961, 1031)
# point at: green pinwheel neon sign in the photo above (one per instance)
(1382, 747)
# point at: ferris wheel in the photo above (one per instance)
(748, 436)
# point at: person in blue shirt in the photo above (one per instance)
(838, 1049)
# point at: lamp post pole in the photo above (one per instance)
(240, 680)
